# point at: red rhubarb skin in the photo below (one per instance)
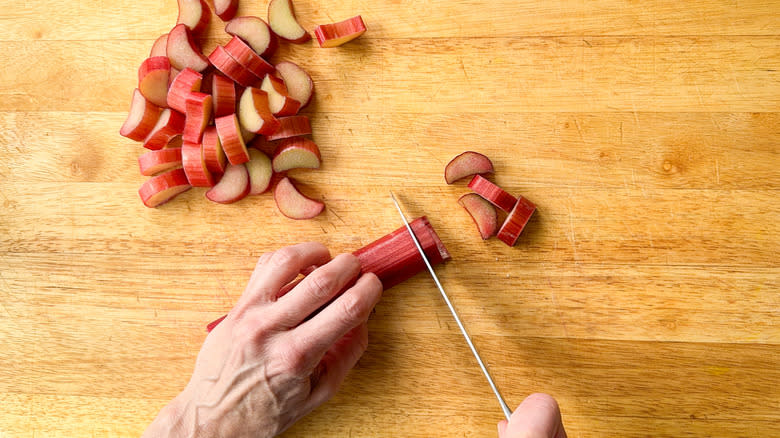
(493, 193)
(231, 68)
(292, 126)
(246, 56)
(516, 221)
(394, 258)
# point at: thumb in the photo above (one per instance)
(538, 416)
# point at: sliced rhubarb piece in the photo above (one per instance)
(254, 113)
(298, 82)
(194, 14)
(281, 18)
(233, 187)
(174, 142)
(223, 92)
(187, 81)
(183, 51)
(232, 141)
(212, 151)
(169, 125)
(278, 97)
(394, 258)
(493, 193)
(195, 166)
(296, 153)
(516, 221)
(256, 33)
(244, 55)
(153, 75)
(260, 172)
(162, 160)
(159, 46)
(231, 68)
(162, 188)
(482, 213)
(198, 114)
(262, 144)
(141, 118)
(293, 126)
(225, 9)
(246, 134)
(336, 34)
(467, 164)
(293, 204)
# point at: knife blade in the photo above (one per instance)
(504, 407)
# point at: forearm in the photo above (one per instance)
(171, 422)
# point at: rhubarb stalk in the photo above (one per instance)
(394, 258)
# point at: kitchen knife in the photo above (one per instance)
(504, 407)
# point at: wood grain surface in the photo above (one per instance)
(644, 294)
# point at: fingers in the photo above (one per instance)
(342, 357)
(315, 337)
(316, 290)
(276, 269)
(538, 416)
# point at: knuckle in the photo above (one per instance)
(290, 359)
(282, 257)
(321, 285)
(352, 309)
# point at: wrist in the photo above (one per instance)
(172, 421)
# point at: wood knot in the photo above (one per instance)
(75, 168)
(670, 167)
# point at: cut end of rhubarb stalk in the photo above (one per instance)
(296, 153)
(162, 160)
(169, 125)
(195, 166)
(516, 221)
(194, 14)
(281, 18)
(254, 112)
(260, 172)
(467, 164)
(232, 141)
(293, 204)
(186, 82)
(153, 76)
(212, 151)
(482, 213)
(336, 34)
(158, 48)
(394, 258)
(140, 119)
(279, 99)
(162, 188)
(493, 193)
(225, 9)
(255, 32)
(183, 51)
(299, 84)
(233, 186)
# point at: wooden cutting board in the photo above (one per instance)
(644, 294)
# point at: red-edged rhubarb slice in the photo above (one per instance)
(281, 18)
(198, 114)
(296, 153)
(232, 141)
(233, 187)
(153, 75)
(186, 82)
(225, 9)
(212, 151)
(169, 125)
(254, 112)
(278, 97)
(194, 14)
(141, 118)
(162, 188)
(516, 221)
(244, 55)
(467, 164)
(293, 204)
(260, 172)
(298, 82)
(493, 193)
(162, 160)
(394, 258)
(256, 33)
(482, 213)
(336, 34)
(231, 68)
(183, 51)
(223, 90)
(293, 126)
(194, 165)
(159, 46)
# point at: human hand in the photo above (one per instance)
(538, 416)
(270, 362)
